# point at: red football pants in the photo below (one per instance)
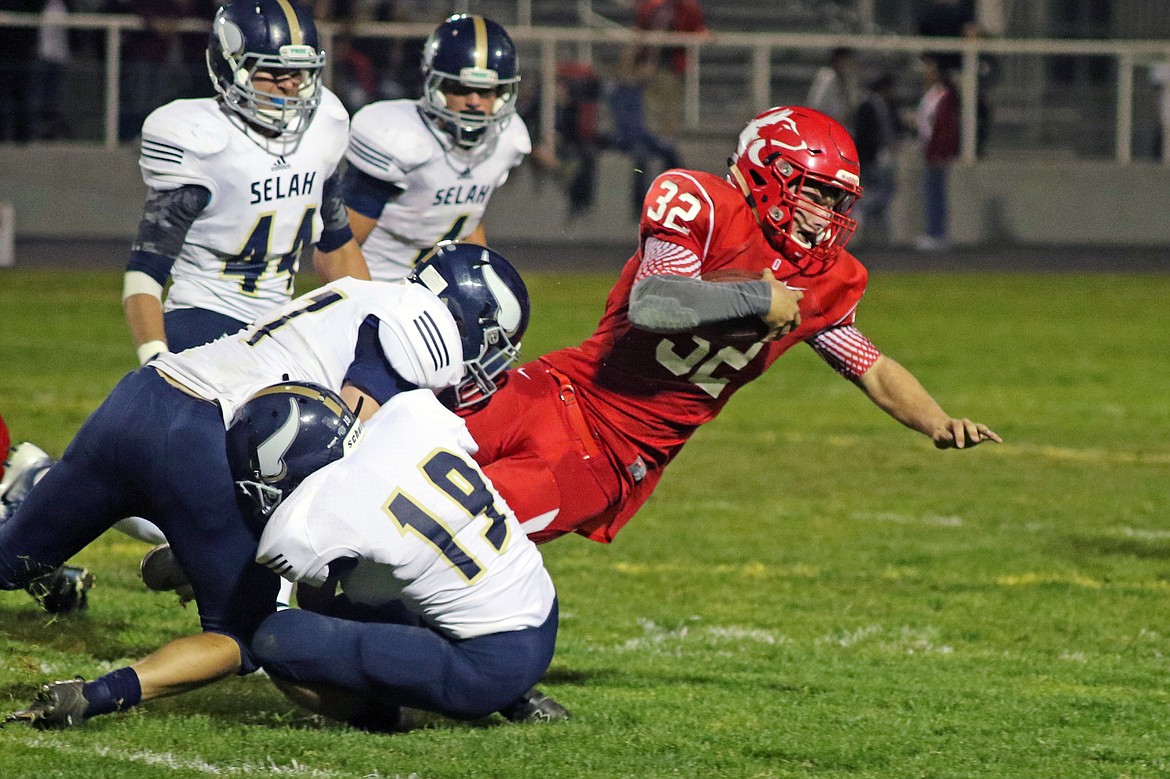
(538, 450)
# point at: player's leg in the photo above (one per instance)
(405, 665)
(75, 501)
(190, 327)
(536, 449)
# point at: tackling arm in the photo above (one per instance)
(896, 391)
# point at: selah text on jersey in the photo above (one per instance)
(241, 252)
(445, 189)
(426, 527)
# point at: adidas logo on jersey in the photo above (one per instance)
(281, 164)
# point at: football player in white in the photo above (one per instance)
(156, 448)
(422, 171)
(238, 185)
(446, 605)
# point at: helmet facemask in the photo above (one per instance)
(468, 128)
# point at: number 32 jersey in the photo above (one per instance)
(646, 393)
(241, 252)
(425, 525)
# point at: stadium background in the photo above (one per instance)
(1070, 161)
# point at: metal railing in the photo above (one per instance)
(759, 48)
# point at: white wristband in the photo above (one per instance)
(149, 350)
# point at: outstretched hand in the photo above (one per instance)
(963, 434)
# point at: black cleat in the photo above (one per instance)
(535, 706)
(161, 572)
(58, 705)
(64, 591)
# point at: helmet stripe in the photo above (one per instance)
(481, 42)
(294, 24)
(293, 389)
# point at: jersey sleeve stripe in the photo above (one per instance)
(659, 256)
(846, 350)
(369, 154)
(163, 152)
(426, 327)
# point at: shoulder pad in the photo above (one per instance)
(516, 136)
(332, 108)
(389, 132)
(195, 126)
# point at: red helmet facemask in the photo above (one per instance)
(798, 170)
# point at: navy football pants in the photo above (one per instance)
(407, 664)
(152, 451)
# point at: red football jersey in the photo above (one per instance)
(646, 393)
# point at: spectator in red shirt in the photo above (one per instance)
(938, 132)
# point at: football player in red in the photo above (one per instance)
(577, 440)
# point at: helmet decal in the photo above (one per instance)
(270, 453)
(296, 35)
(509, 314)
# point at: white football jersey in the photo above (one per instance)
(424, 523)
(313, 339)
(445, 188)
(240, 254)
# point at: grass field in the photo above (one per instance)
(812, 592)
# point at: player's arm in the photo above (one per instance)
(365, 196)
(667, 298)
(894, 389)
(166, 219)
(337, 253)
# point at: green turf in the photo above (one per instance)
(812, 592)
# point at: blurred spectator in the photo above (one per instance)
(155, 60)
(938, 133)
(877, 132)
(18, 47)
(630, 133)
(44, 112)
(578, 139)
(946, 19)
(834, 87)
(664, 92)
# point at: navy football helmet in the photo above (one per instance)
(281, 435)
(469, 53)
(275, 36)
(489, 302)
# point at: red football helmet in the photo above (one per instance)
(798, 170)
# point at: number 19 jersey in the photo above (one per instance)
(425, 525)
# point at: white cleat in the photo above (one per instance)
(22, 459)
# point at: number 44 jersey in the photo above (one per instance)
(240, 254)
(422, 521)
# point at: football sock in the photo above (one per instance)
(116, 691)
